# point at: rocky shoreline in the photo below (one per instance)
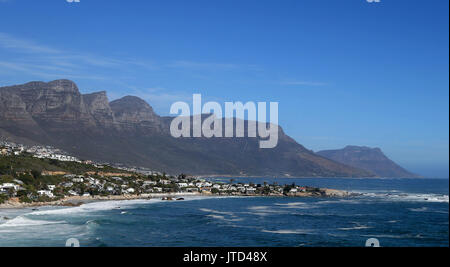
(74, 201)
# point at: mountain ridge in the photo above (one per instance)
(369, 159)
(128, 131)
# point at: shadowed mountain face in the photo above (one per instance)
(128, 131)
(370, 159)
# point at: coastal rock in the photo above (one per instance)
(335, 193)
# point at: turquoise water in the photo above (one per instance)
(398, 212)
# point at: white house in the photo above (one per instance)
(251, 190)
(93, 181)
(78, 180)
(47, 193)
(7, 186)
(67, 184)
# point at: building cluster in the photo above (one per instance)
(8, 148)
(87, 186)
(135, 181)
(47, 152)
(139, 170)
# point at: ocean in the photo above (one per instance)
(397, 212)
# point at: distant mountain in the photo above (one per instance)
(370, 159)
(128, 131)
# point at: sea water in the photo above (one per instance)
(398, 212)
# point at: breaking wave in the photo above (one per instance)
(21, 221)
(105, 205)
(407, 197)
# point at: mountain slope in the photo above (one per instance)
(128, 131)
(370, 159)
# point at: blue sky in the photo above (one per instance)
(344, 72)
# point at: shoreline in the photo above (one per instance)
(75, 201)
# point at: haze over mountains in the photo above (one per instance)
(366, 158)
(128, 131)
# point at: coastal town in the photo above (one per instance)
(56, 177)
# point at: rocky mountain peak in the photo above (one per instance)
(64, 86)
(132, 109)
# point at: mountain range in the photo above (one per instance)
(128, 131)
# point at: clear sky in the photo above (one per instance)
(344, 72)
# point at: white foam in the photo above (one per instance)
(296, 205)
(395, 236)
(21, 221)
(406, 197)
(218, 212)
(106, 205)
(360, 227)
(290, 204)
(419, 209)
(222, 218)
(222, 215)
(287, 232)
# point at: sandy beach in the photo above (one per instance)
(79, 200)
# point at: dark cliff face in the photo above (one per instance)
(57, 102)
(128, 131)
(132, 113)
(97, 105)
(370, 159)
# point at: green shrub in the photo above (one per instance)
(3, 198)
(25, 199)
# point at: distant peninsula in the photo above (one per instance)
(369, 159)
